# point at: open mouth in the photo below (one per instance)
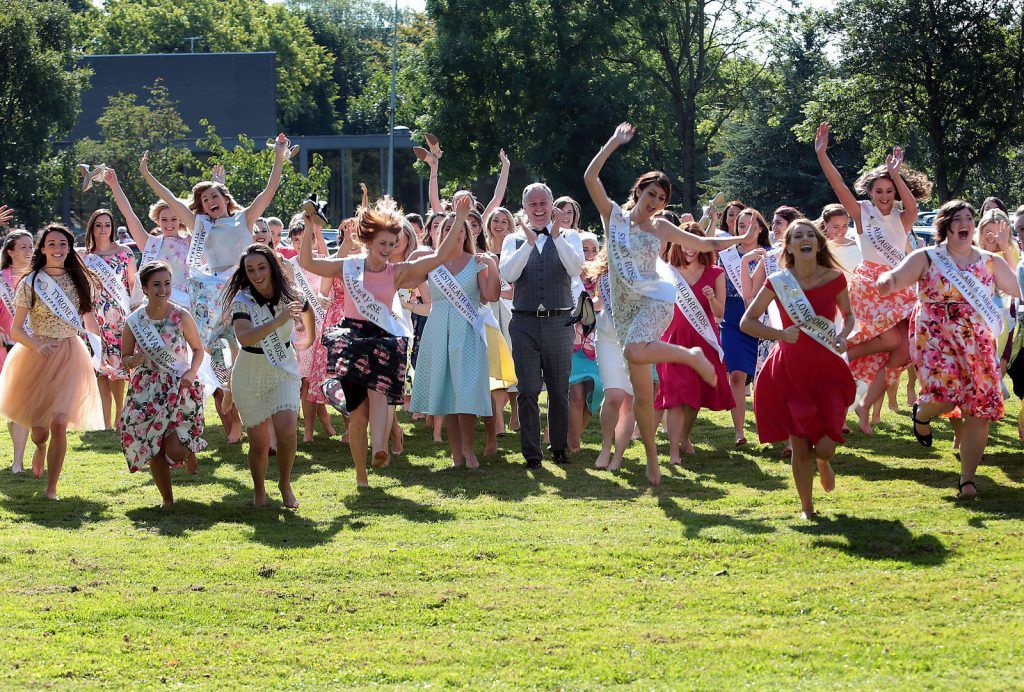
(807, 248)
(962, 235)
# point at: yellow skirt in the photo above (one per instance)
(499, 361)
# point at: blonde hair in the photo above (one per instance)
(487, 227)
(194, 201)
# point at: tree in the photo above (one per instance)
(247, 168)
(129, 129)
(40, 87)
(306, 94)
(950, 73)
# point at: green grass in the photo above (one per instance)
(567, 578)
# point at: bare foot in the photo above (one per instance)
(740, 441)
(456, 463)
(166, 504)
(673, 459)
(380, 459)
(846, 429)
(235, 436)
(438, 438)
(329, 429)
(471, 461)
(397, 444)
(862, 418)
(807, 514)
(688, 449)
(602, 458)
(876, 419)
(894, 407)
(615, 464)
(573, 449)
(344, 438)
(288, 496)
(826, 475)
(18, 468)
(703, 366)
(260, 500)
(786, 452)
(39, 460)
(653, 474)
(307, 437)
(491, 449)
(51, 495)
(191, 465)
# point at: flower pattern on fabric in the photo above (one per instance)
(953, 348)
(875, 315)
(318, 361)
(109, 314)
(157, 403)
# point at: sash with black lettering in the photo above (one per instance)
(149, 339)
(693, 311)
(197, 247)
(152, 251)
(50, 292)
(112, 283)
(478, 317)
(387, 318)
(274, 348)
(970, 288)
(873, 227)
(794, 301)
(311, 296)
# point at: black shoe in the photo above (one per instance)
(533, 463)
(923, 440)
(560, 458)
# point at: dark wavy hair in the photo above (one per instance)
(5, 252)
(147, 271)
(240, 280)
(763, 238)
(90, 229)
(723, 223)
(80, 275)
(647, 179)
(944, 218)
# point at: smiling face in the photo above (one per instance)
(21, 252)
(802, 242)
(779, 225)
(650, 200)
(435, 227)
(961, 229)
(589, 249)
(55, 248)
(380, 248)
(168, 222)
(883, 194)
(570, 215)
(257, 270)
(102, 230)
(275, 233)
(402, 244)
(731, 215)
(500, 227)
(474, 225)
(835, 227)
(538, 205)
(158, 287)
(215, 205)
(261, 233)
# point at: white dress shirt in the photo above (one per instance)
(513, 260)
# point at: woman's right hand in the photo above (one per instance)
(623, 134)
(292, 312)
(790, 334)
(821, 139)
(144, 164)
(43, 346)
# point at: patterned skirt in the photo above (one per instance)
(362, 357)
(875, 315)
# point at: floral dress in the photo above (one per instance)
(109, 314)
(318, 365)
(952, 346)
(157, 403)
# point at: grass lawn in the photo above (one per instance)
(563, 578)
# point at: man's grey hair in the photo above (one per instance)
(536, 186)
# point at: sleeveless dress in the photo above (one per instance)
(260, 388)
(452, 373)
(637, 318)
(804, 389)
(225, 243)
(174, 251)
(876, 314)
(952, 346)
(318, 363)
(681, 385)
(109, 315)
(610, 363)
(35, 388)
(157, 403)
(740, 349)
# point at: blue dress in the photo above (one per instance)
(740, 349)
(452, 375)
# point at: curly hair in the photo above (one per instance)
(195, 203)
(920, 186)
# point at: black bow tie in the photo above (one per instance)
(541, 231)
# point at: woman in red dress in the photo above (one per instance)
(805, 387)
(682, 392)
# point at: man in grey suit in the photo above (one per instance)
(540, 261)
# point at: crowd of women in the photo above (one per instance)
(477, 309)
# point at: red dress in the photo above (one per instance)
(805, 390)
(681, 385)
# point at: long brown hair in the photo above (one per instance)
(824, 257)
(763, 238)
(920, 186)
(676, 256)
(240, 281)
(649, 178)
(80, 275)
(723, 220)
(90, 228)
(195, 202)
(5, 253)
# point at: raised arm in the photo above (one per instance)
(6, 213)
(180, 208)
(835, 179)
(412, 274)
(622, 135)
(263, 199)
(893, 162)
(499, 190)
(1005, 279)
(135, 227)
(905, 275)
(326, 267)
(488, 281)
(668, 231)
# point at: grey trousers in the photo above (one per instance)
(542, 352)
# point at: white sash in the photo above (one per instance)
(148, 338)
(197, 247)
(60, 305)
(273, 346)
(970, 288)
(798, 307)
(604, 288)
(661, 287)
(730, 258)
(693, 311)
(311, 296)
(152, 251)
(873, 227)
(112, 283)
(369, 307)
(478, 317)
(7, 295)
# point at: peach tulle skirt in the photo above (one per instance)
(34, 388)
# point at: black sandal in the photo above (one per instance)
(923, 440)
(960, 490)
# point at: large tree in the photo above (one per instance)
(306, 93)
(948, 73)
(40, 87)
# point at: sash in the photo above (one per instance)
(730, 258)
(148, 338)
(620, 254)
(970, 288)
(794, 301)
(197, 247)
(874, 230)
(274, 348)
(367, 305)
(477, 316)
(152, 251)
(112, 283)
(60, 305)
(693, 311)
(7, 295)
(311, 296)
(604, 288)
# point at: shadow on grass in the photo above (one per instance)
(695, 523)
(876, 539)
(23, 497)
(846, 463)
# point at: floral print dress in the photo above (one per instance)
(157, 403)
(952, 346)
(318, 365)
(109, 314)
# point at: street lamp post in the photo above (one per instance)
(391, 114)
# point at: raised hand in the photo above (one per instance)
(894, 161)
(559, 220)
(366, 194)
(821, 138)
(281, 146)
(144, 164)
(109, 177)
(218, 174)
(6, 213)
(686, 218)
(623, 134)
(503, 157)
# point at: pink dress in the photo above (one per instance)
(318, 363)
(953, 348)
(109, 314)
(681, 385)
(6, 318)
(306, 356)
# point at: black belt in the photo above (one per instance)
(541, 313)
(257, 349)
